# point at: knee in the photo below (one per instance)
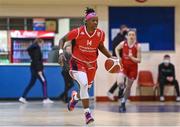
(120, 83)
(83, 82)
(128, 87)
(84, 92)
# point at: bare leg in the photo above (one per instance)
(128, 89)
(126, 95)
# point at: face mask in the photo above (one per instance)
(124, 33)
(166, 61)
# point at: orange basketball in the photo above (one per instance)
(112, 65)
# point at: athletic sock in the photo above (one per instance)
(86, 110)
(123, 100)
(75, 97)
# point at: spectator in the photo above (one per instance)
(35, 53)
(166, 75)
(65, 73)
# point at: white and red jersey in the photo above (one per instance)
(129, 50)
(130, 68)
(86, 45)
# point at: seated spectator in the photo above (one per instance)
(166, 76)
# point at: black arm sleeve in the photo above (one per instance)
(173, 72)
(160, 75)
(37, 60)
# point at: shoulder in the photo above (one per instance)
(76, 30)
(122, 43)
(99, 30)
(138, 45)
(33, 46)
(171, 64)
(161, 65)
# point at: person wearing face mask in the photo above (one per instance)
(36, 68)
(121, 36)
(65, 72)
(166, 75)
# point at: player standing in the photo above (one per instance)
(83, 65)
(131, 56)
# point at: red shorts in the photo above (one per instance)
(81, 66)
(130, 71)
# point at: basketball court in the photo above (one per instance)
(106, 114)
(156, 23)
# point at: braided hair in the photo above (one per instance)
(89, 10)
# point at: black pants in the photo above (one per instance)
(114, 87)
(163, 82)
(68, 85)
(34, 77)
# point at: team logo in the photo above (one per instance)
(82, 33)
(89, 42)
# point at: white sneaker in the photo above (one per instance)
(178, 98)
(23, 100)
(110, 96)
(162, 98)
(47, 101)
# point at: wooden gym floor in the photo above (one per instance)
(106, 114)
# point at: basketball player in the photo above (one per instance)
(83, 65)
(131, 56)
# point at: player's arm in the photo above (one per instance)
(138, 59)
(104, 50)
(61, 54)
(62, 41)
(118, 48)
(70, 36)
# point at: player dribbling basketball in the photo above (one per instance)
(131, 56)
(88, 40)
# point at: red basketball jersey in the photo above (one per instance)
(86, 47)
(126, 51)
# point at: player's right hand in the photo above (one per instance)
(61, 59)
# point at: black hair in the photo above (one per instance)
(38, 40)
(89, 10)
(166, 56)
(123, 26)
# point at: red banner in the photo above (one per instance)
(31, 34)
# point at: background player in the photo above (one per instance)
(131, 56)
(83, 65)
(121, 36)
